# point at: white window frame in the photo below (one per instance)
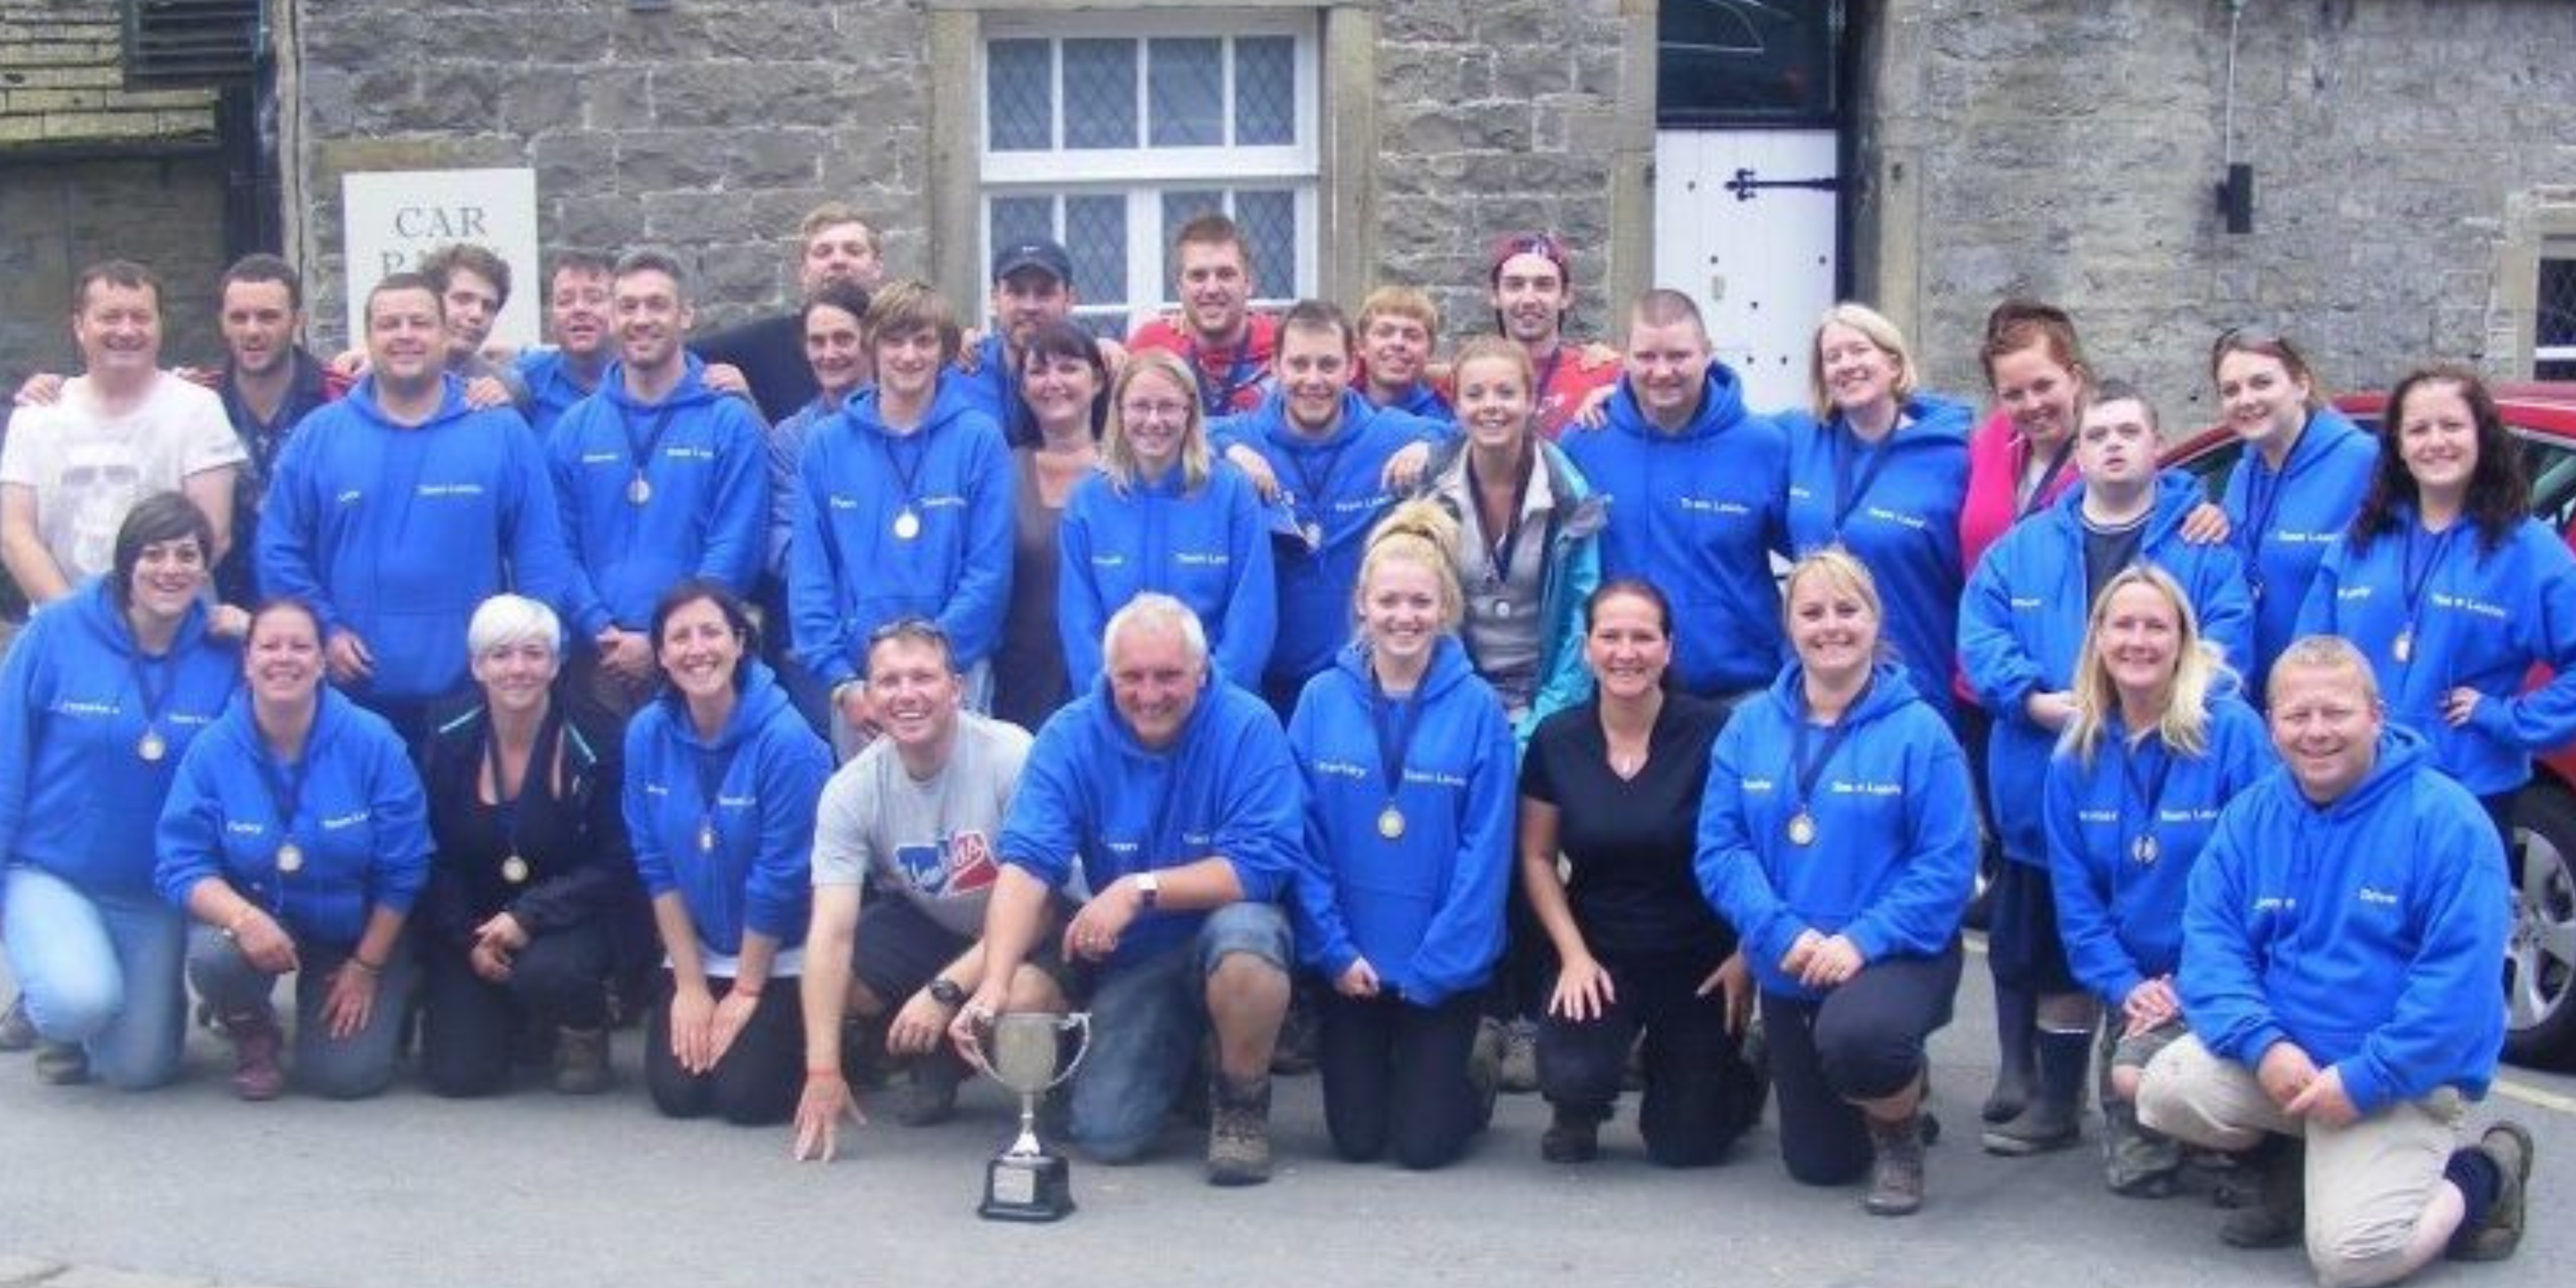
(1143, 174)
(2553, 250)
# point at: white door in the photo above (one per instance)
(1745, 224)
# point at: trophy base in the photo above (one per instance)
(1027, 1187)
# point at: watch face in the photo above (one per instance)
(946, 992)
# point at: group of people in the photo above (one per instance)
(1261, 665)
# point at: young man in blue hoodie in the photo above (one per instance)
(1698, 489)
(397, 510)
(578, 296)
(657, 478)
(1177, 801)
(2339, 955)
(903, 508)
(2020, 630)
(1328, 447)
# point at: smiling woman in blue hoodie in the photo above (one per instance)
(1163, 515)
(2454, 592)
(722, 777)
(297, 837)
(1838, 835)
(1408, 766)
(100, 697)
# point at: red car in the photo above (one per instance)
(2540, 959)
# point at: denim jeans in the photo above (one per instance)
(334, 1068)
(1147, 1020)
(102, 971)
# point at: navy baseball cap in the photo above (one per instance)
(1037, 252)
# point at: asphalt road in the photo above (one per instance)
(413, 1192)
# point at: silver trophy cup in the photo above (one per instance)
(1023, 1052)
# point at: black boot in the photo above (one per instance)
(2279, 1213)
(2016, 1022)
(2050, 1120)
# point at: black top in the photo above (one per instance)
(573, 840)
(1629, 842)
(770, 352)
(235, 578)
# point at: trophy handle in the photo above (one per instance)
(1079, 1021)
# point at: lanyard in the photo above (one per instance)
(642, 453)
(2038, 498)
(540, 753)
(1311, 484)
(713, 767)
(2150, 792)
(2415, 581)
(153, 682)
(286, 788)
(2262, 501)
(1218, 399)
(1807, 771)
(1847, 494)
(907, 479)
(1498, 554)
(1395, 720)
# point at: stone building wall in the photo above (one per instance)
(2071, 151)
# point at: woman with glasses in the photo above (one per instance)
(1165, 515)
(1062, 380)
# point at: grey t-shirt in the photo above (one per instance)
(933, 840)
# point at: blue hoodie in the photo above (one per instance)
(2486, 618)
(552, 391)
(1902, 521)
(1420, 399)
(2122, 917)
(2285, 519)
(400, 533)
(707, 514)
(847, 571)
(2367, 931)
(993, 388)
(1091, 795)
(1698, 512)
(360, 820)
(1425, 909)
(1209, 549)
(76, 797)
(1344, 470)
(771, 770)
(1895, 849)
(2023, 623)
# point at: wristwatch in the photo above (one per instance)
(1149, 890)
(944, 991)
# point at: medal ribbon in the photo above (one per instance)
(1395, 720)
(1808, 771)
(1847, 494)
(506, 803)
(153, 682)
(1498, 554)
(2418, 580)
(2151, 790)
(907, 479)
(713, 767)
(642, 453)
(1311, 483)
(2038, 498)
(286, 787)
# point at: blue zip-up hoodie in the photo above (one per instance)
(2285, 519)
(761, 876)
(1895, 850)
(2023, 622)
(2121, 917)
(993, 388)
(2366, 931)
(1425, 909)
(1569, 573)
(1420, 399)
(552, 391)
(76, 798)
(1092, 795)
(1904, 525)
(399, 534)
(1698, 513)
(1210, 549)
(708, 511)
(1345, 468)
(2486, 618)
(847, 572)
(360, 820)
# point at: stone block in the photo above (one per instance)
(574, 161)
(547, 98)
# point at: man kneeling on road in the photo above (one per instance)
(1177, 801)
(2339, 972)
(917, 814)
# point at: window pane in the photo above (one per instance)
(1100, 93)
(1019, 102)
(1265, 93)
(1095, 231)
(1269, 222)
(1186, 83)
(1738, 61)
(1181, 207)
(1102, 323)
(1018, 219)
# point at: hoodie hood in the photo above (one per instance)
(2327, 431)
(1448, 668)
(2402, 752)
(105, 623)
(1721, 407)
(691, 391)
(762, 698)
(947, 404)
(451, 404)
(2178, 493)
(1890, 688)
(1356, 413)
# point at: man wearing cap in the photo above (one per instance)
(1032, 286)
(1531, 283)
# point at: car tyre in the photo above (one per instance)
(2540, 952)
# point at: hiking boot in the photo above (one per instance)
(1485, 1069)
(17, 1032)
(2052, 1118)
(581, 1061)
(1238, 1151)
(1520, 1057)
(2508, 1145)
(1573, 1135)
(1895, 1167)
(931, 1096)
(864, 1061)
(1301, 1032)
(61, 1064)
(257, 1075)
(2278, 1216)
